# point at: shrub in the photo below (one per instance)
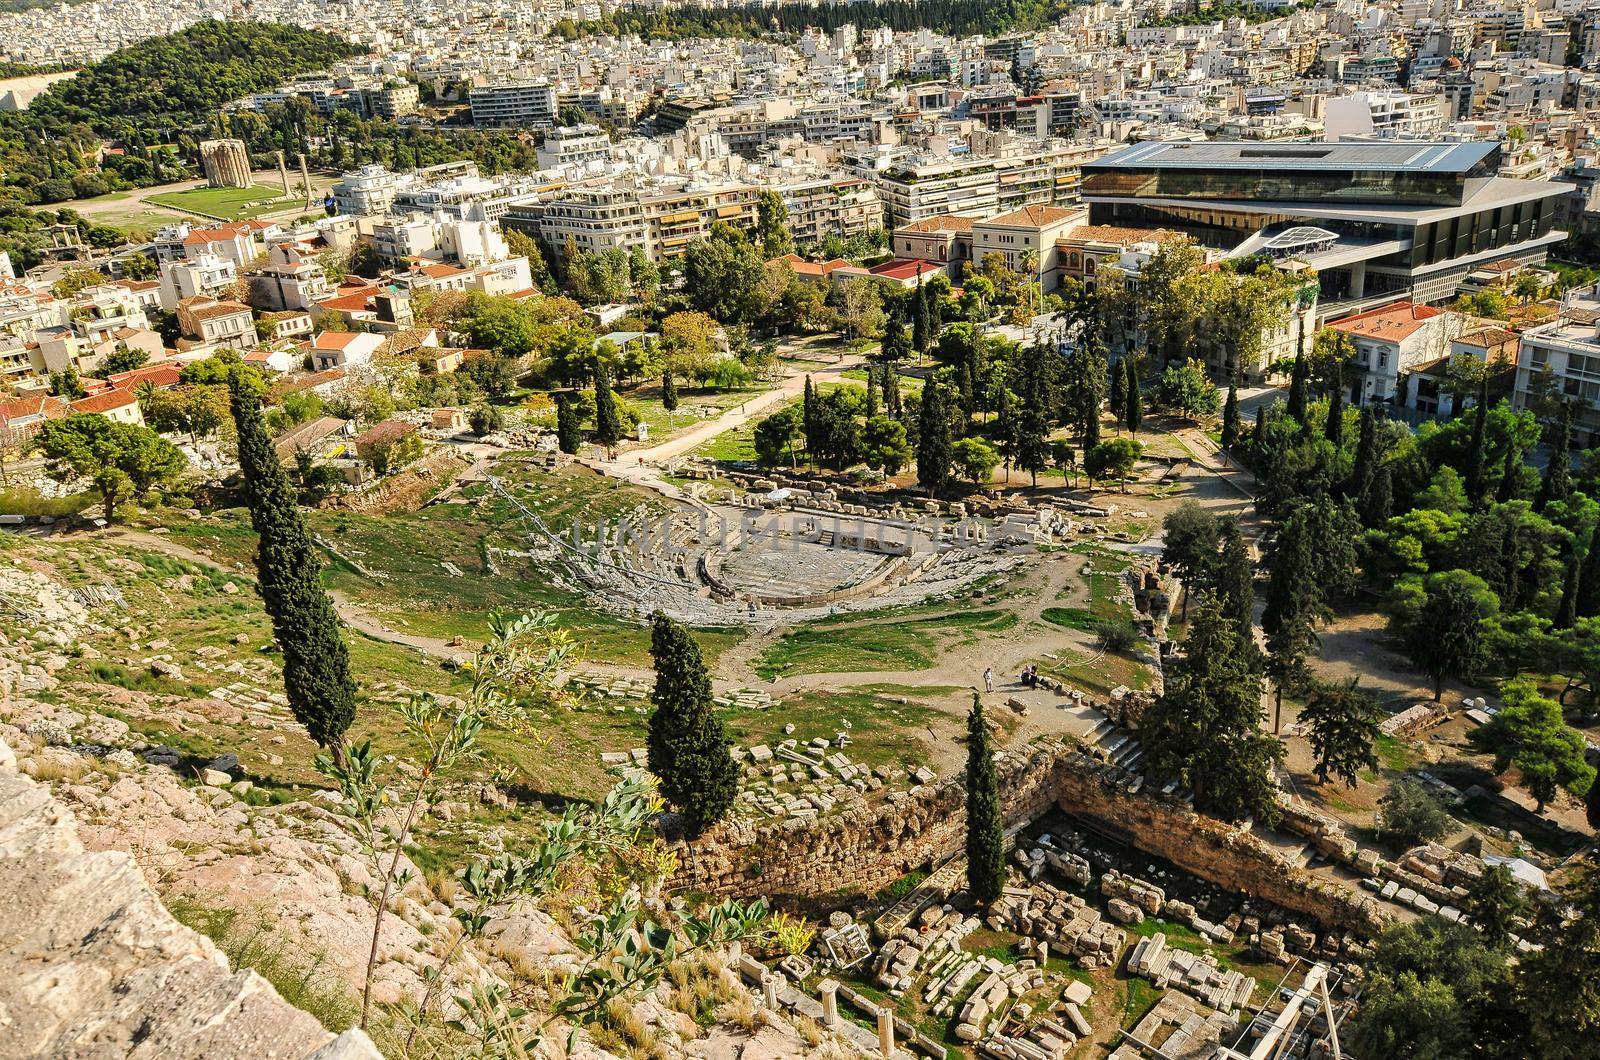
(1411, 813)
(1116, 634)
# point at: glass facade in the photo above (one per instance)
(1279, 179)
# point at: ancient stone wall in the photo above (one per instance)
(864, 850)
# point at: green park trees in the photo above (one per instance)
(316, 661)
(1342, 725)
(1439, 621)
(1529, 733)
(122, 461)
(688, 749)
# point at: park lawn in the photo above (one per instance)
(1097, 677)
(125, 210)
(230, 203)
(694, 406)
(876, 645)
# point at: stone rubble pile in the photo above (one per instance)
(1063, 921)
(1196, 974)
(932, 944)
(1178, 1029)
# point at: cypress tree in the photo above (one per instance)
(569, 424)
(1333, 430)
(1508, 475)
(1236, 591)
(1378, 504)
(607, 422)
(1293, 601)
(933, 441)
(1475, 476)
(669, 391)
(1298, 382)
(986, 854)
(1230, 418)
(1135, 411)
(808, 414)
(1589, 578)
(891, 392)
(921, 320)
(1366, 460)
(1119, 391)
(1557, 482)
(1567, 610)
(872, 390)
(316, 661)
(688, 749)
(1259, 432)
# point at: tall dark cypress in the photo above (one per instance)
(891, 391)
(1236, 591)
(1589, 578)
(1378, 504)
(986, 837)
(921, 320)
(1475, 477)
(316, 661)
(687, 745)
(669, 391)
(569, 424)
(1557, 482)
(872, 390)
(1135, 402)
(1366, 461)
(808, 413)
(1298, 383)
(1508, 474)
(1333, 430)
(607, 421)
(1259, 432)
(933, 441)
(1572, 576)
(1230, 418)
(1119, 392)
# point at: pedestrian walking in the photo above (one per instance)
(988, 679)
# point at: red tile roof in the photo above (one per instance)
(109, 401)
(1394, 322)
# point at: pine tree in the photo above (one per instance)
(669, 391)
(607, 421)
(1333, 430)
(933, 440)
(986, 854)
(1557, 482)
(1298, 383)
(1205, 730)
(1135, 410)
(316, 660)
(569, 424)
(1343, 725)
(688, 749)
(1119, 392)
(1230, 418)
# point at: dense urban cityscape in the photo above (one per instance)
(903, 528)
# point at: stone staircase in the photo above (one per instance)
(95, 966)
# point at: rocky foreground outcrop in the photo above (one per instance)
(95, 966)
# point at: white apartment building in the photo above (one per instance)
(1392, 340)
(574, 145)
(1566, 353)
(527, 104)
(207, 275)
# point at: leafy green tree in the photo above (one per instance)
(608, 429)
(1495, 903)
(1439, 620)
(121, 460)
(934, 450)
(1112, 459)
(569, 424)
(1230, 419)
(986, 853)
(316, 660)
(1530, 734)
(884, 445)
(1557, 985)
(772, 224)
(687, 746)
(835, 441)
(1435, 991)
(1343, 725)
(66, 385)
(1205, 729)
(1187, 390)
(123, 359)
(975, 460)
(1192, 537)
(775, 437)
(724, 277)
(1134, 414)
(484, 419)
(1412, 814)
